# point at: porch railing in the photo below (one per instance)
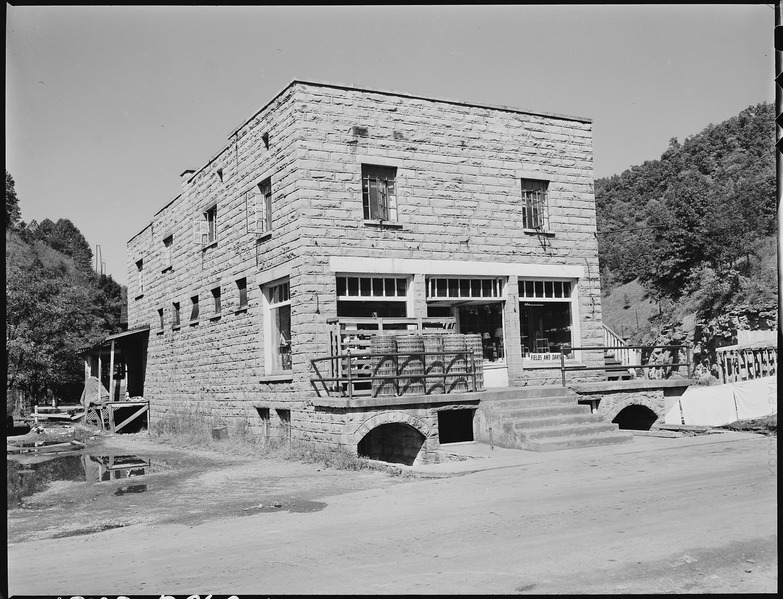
(662, 369)
(355, 374)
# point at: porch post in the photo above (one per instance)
(111, 372)
(513, 336)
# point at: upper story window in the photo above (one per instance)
(535, 213)
(168, 248)
(258, 207)
(140, 278)
(206, 227)
(378, 192)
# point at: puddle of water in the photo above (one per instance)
(27, 478)
(299, 506)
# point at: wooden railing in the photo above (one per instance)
(357, 372)
(746, 362)
(663, 369)
(625, 354)
(355, 335)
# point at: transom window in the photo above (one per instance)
(378, 192)
(544, 289)
(361, 288)
(466, 288)
(534, 204)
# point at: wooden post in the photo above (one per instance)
(100, 370)
(111, 373)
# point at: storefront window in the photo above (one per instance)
(545, 318)
(487, 321)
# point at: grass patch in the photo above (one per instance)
(193, 430)
(766, 426)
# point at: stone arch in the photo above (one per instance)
(654, 406)
(392, 436)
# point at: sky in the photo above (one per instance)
(107, 105)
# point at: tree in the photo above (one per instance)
(13, 214)
(47, 321)
(64, 237)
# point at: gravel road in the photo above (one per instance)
(685, 515)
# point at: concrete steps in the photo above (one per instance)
(543, 419)
(615, 371)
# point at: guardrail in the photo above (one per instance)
(363, 376)
(644, 349)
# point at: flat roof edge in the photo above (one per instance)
(434, 99)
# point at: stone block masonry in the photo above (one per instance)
(458, 213)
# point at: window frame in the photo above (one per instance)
(535, 203)
(385, 212)
(176, 319)
(540, 288)
(217, 307)
(194, 309)
(206, 227)
(242, 294)
(258, 207)
(272, 304)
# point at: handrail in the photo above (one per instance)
(469, 355)
(567, 350)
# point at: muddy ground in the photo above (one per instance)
(691, 514)
(180, 486)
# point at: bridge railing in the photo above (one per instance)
(649, 360)
(746, 362)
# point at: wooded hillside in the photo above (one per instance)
(55, 303)
(697, 227)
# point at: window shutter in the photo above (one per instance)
(198, 219)
(204, 226)
(267, 210)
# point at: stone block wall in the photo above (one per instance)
(458, 191)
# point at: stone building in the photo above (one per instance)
(334, 205)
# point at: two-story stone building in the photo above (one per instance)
(334, 204)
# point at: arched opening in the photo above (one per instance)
(395, 442)
(636, 418)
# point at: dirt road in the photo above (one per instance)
(655, 516)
